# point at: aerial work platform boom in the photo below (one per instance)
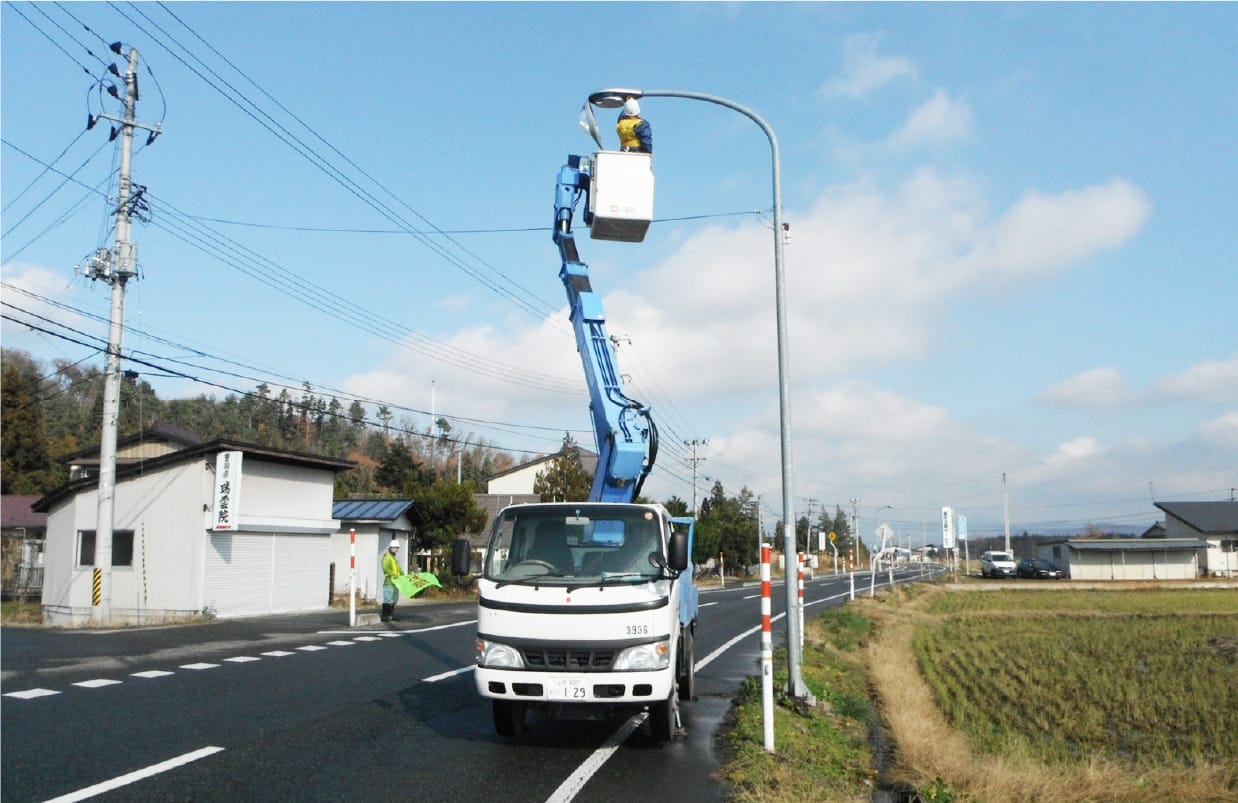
(627, 438)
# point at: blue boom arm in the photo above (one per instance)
(626, 436)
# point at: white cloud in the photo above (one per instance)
(26, 287)
(864, 71)
(1099, 387)
(938, 121)
(1042, 234)
(1210, 381)
(1223, 430)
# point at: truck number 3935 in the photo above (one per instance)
(637, 630)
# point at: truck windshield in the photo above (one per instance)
(574, 544)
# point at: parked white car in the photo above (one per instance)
(997, 564)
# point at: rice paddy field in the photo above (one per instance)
(1142, 679)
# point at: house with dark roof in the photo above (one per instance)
(155, 441)
(225, 528)
(1215, 523)
(22, 531)
(367, 527)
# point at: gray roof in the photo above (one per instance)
(369, 509)
(1136, 544)
(1207, 517)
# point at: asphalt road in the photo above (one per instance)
(302, 707)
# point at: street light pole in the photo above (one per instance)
(613, 98)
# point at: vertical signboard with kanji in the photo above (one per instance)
(947, 528)
(227, 490)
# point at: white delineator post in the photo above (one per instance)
(767, 652)
(352, 578)
(799, 568)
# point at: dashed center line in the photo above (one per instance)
(242, 659)
(152, 673)
(30, 694)
(278, 653)
(97, 683)
(199, 666)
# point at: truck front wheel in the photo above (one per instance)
(664, 718)
(509, 717)
(687, 664)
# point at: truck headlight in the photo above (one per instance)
(498, 656)
(644, 657)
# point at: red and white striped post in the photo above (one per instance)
(799, 565)
(352, 578)
(767, 652)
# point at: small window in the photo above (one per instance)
(122, 548)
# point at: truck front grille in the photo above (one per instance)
(564, 660)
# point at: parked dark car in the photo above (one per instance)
(1038, 569)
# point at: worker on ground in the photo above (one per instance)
(391, 570)
(635, 135)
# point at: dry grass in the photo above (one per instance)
(930, 746)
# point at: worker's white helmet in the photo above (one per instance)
(631, 108)
(394, 544)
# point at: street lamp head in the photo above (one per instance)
(613, 98)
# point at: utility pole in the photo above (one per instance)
(116, 268)
(808, 536)
(695, 442)
(855, 524)
(1006, 510)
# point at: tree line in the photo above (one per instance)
(47, 413)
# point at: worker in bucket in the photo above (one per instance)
(391, 570)
(635, 135)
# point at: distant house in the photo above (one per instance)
(22, 532)
(1213, 522)
(185, 541)
(374, 523)
(520, 479)
(157, 440)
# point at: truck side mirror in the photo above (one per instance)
(461, 557)
(677, 551)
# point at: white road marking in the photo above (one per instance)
(97, 683)
(395, 633)
(278, 653)
(341, 644)
(136, 775)
(445, 675)
(311, 648)
(577, 780)
(242, 659)
(152, 673)
(367, 638)
(30, 694)
(199, 666)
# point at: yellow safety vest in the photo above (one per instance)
(391, 568)
(627, 133)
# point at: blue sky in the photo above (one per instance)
(1012, 243)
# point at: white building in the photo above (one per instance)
(1134, 558)
(180, 548)
(1214, 522)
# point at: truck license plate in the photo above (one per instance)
(566, 689)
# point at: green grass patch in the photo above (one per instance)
(820, 753)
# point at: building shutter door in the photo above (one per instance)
(237, 573)
(302, 572)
